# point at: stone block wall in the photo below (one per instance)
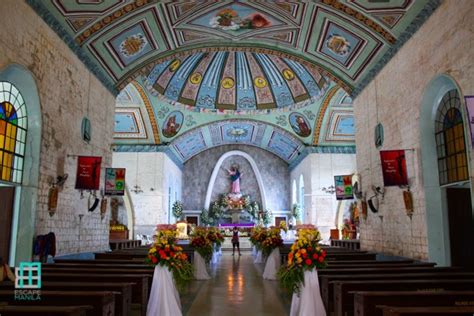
(67, 92)
(198, 170)
(318, 171)
(154, 183)
(442, 45)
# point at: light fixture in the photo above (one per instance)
(329, 190)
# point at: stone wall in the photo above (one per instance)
(154, 184)
(318, 171)
(442, 45)
(198, 170)
(67, 92)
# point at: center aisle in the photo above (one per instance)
(236, 288)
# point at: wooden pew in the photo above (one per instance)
(10, 310)
(344, 298)
(427, 310)
(123, 299)
(103, 303)
(380, 265)
(326, 285)
(140, 288)
(365, 303)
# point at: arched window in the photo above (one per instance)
(301, 197)
(293, 194)
(13, 127)
(450, 141)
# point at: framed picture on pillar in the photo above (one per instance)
(394, 167)
(114, 181)
(343, 186)
(470, 113)
(88, 173)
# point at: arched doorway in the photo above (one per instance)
(445, 163)
(20, 192)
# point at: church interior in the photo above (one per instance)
(297, 157)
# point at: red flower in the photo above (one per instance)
(308, 262)
(321, 259)
(154, 259)
(315, 256)
(323, 253)
(171, 254)
(162, 253)
(305, 255)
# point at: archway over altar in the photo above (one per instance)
(217, 167)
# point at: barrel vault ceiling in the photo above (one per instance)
(280, 75)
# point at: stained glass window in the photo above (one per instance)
(13, 127)
(450, 140)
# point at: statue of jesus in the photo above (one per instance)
(234, 174)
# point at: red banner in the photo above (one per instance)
(394, 167)
(88, 173)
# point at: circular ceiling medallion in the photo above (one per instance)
(195, 78)
(288, 74)
(174, 65)
(227, 83)
(260, 82)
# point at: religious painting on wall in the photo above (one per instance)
(88, 173)
(173, 124)
(394, 167)
(114, 181)
(343, 186)
(470, 113)
(236, 17)
(300, 124)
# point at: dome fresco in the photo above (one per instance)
(235, 80)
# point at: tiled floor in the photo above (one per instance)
(236, 288)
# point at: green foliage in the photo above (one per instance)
(296, 211)
(266, 217)
(204, 217)
(291, 279)
(177, 209)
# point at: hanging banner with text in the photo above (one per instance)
(114, 181)
(394, 167)
(88, 173)
(343, 186)
(470, 113)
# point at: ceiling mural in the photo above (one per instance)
(235, 81)
(347, 40)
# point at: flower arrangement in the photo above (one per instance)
(271, 241)
(257, 236)
(229, 20)
(202, 244)
(215, 236)
(165, 252)
(305, 255)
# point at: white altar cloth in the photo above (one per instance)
(200, 271)
(272, 265)
(309, 302)
(164, 297)
(259, 257)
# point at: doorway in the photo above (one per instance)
(7, 195)
(460, 226)
(279, 219)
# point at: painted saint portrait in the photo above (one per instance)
(172, 124)
(300, 124)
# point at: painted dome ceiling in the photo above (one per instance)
(235, 81)
(350, 40)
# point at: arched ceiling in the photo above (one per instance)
(347, 40)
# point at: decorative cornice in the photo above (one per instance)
(322, 111)
(54, 24)
(424, 14)
(149, 109)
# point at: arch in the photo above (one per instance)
(435, 195)
(255, 169)
(23, 225)
(127, 201)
